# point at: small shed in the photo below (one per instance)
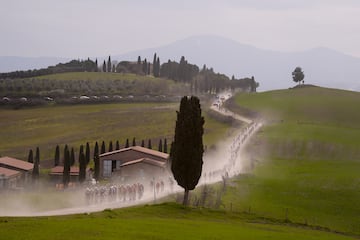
(9, 179)
(25, 168)
(133, 162)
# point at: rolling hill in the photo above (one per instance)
(306, 158)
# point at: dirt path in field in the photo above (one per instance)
(224, 161)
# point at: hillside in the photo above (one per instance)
(89, 83)
(306, 158)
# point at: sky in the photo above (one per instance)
(91, 28)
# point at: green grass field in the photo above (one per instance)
(46, 127)
(165, 221)
(307, 158)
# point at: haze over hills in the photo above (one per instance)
(322, 66)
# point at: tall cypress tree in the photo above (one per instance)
(103, 150)
(82, 167)
(66, 172)
(127, 143)
(187, 148)
(57, 156)
(30, 156)
(143, 143)
(149, 144)
(96, 162)
(72, 157)
(110, 146)
(134, 142)
(160, 147)
(96, 67)
(117, 145)
(81, 151)
(165, 146)
(104, 66)
(35, 173)
(154, 65)
(109, 65)
(87, 153)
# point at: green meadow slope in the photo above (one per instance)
(306, 158)
(165, 221)
(46, 127)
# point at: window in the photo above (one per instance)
(107, 168)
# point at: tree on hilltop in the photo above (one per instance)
(104, 66)
(298, 75)
(187, 148)
(109, 65)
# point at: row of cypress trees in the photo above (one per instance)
(84, 157)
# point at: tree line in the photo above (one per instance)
(200, 81)
(84, 157)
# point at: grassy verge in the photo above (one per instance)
(165, 221)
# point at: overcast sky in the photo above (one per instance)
(81, 28)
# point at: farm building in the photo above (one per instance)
(9, 179)
(23, 167)
(56, 174)
(133, 163)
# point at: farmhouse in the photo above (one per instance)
(23, 167)
(133, 163)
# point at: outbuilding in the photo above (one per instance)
(9, 179)
(25, 168)
(133, 163)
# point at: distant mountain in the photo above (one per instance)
(322, 66)
(12, 63)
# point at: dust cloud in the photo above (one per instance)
(223, 161)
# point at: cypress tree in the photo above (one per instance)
(72, 157)
(57, 156)
(96, 162)
(148, 68)
(109, 65)
(96, 66)
(66, 172)
(134, 142)
(144, 67)
(103, 150)
(165, 146)
(82, 167)
(127, 143)
(149, 144)
(30, 156)
(187, 148)
(35, 173)
(117, 145)
(110, 146)
(143, 143)
(104, 66)
(139, 60)
(81, 152)
(87, 153)
(160, 146)
(154, 65)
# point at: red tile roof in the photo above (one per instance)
(138, 149)
(59, 170)
(144, 160)
(16, 163)
(8, 172)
